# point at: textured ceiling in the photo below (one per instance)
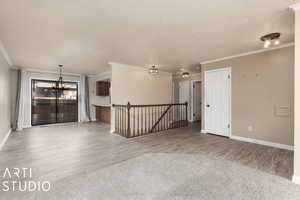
(85, 35)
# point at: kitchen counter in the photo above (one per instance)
(103, 113)
(107, 105)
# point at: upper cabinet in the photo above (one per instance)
(102, 88)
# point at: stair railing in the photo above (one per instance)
(137, 120)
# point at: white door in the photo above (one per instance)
(196, 100)
(217, 104)
(183, 91)
(184, 95)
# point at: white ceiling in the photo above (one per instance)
(85, 35)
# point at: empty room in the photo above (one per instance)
(150, 99)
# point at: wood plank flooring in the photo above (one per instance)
(66, 151)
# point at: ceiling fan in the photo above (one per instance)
(183, 72)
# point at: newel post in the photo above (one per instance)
(186, 112)
(128, 119)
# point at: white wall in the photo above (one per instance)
(135, 85)
(5, 96)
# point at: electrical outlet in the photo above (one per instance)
(250, 128)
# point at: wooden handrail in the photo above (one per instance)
(136, 120)
(147, 105)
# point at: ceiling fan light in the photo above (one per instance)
(267, 44)
(277, 42)
(153, 70)
(271, 38)
(185, 75)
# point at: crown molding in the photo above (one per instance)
(5, 54)
(248, 53)
(295, 6)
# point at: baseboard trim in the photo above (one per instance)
(26, 126)
(262, 142)
(296, 180)
(5, 139)
(203, 131)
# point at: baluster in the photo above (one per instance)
(151, 124)
(178, 116)
(117, 120)
(133, 118)
(165, 118)
(162, 119)
(181, 116)
(156, 117)
(142, 125)
(125, 122)
(145, 119)
(171, 117)
(148, 119)
(121, 120)
(186, 113)
(128, 120)
(138, 121)
(161, 123)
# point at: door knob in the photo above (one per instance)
(208, 105)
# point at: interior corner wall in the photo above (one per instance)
(94, 99)
(13, 93)
(261, 83)
(5, 103)
(297, 99)
(135, 85)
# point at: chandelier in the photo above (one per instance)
(59, 83)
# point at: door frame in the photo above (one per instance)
(55, 80)
(229, 100)
(192, 98)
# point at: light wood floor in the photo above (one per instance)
(64, 152)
